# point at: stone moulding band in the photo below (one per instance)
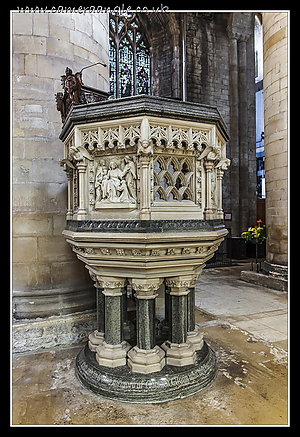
(143, 225)
(170, 383)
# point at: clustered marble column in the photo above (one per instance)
(146, 356)
(96, 338)
(180, 351)
(112, 350)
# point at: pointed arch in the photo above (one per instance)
(185, 193)
(164, 31)
(173, 160)
(162, 164)
(155, 178)
(159, 191)
(180, 181)
(172, 191)
(165, 175)
(186, 162)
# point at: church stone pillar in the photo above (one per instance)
(275, 35)
(243, 132)
(96, 338)
(146, 356)
(45, 271)
(234, 132)
(194, 336)
(112, 352)
(242, 146)
(179, 351)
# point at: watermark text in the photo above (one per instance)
(90, 9)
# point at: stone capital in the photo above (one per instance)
(81, 166)
(145, 288)
(244, 37)
(220, 174)
(144, 160)
(239, 34)
(95, 279)
(232, 33)
(180, 285)
(240, 25)
(69, 173)
(112, 286)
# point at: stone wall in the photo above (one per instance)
(48, 280)
(208, 72)
(207, 61)
(275, 30)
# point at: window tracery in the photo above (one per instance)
(129, 56)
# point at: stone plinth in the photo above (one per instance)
(277, 283)
(168, 384)
(145, 209)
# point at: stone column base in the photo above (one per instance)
(95, 339)
(181, 354)
(196, 338)
(146, 361)
(112, 355)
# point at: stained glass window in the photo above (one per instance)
(129, 56)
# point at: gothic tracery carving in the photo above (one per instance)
(173, 178)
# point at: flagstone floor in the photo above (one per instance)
(245, 324)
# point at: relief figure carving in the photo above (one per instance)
(130, 176)
(100, 174)
(114, 185)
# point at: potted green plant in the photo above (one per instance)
(256, 235)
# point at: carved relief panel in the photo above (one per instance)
(145, 166)
(113, 181)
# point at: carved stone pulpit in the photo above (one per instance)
(144, 215)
